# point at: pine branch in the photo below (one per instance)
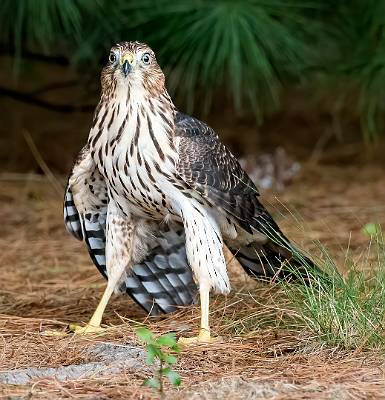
(28, 98)
(32, 56)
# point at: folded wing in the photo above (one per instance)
(210, 170)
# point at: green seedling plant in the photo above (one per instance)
(159, 351)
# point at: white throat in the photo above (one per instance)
(132, 124)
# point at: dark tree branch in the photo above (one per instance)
(53, 86)
(59, 60)
(30, 99)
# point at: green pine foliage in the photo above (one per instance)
(355, 57)
(250, 50)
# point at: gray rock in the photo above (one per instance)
(109, 359)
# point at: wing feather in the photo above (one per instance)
(212, 171)
(209, 168)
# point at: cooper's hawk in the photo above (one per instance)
(153, 180)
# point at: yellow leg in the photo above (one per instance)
(204, 331)
(93, 325)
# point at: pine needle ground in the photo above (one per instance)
(267, 352)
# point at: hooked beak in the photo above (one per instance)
(127, 62)
(126, 68)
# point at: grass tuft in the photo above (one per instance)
(345, 310)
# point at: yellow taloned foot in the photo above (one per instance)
(52, 332)
(77, 329)
(85, 330)
(203, 337)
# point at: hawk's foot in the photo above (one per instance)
(54, 332)
(74, 328)
(203, 337)
(85, 330)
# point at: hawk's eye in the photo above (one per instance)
(146, 58)
(112, 57)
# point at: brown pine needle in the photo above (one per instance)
(42, 164)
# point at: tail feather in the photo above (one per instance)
(273, 261)
(161, 283)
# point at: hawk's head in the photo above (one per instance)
(132, 66)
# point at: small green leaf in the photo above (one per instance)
(168, 340)
(371, 229)
(173, 376)
(152, 383)
(150, 356)
(152, 352)
(169, 359)
(145, 335)
(176, 348)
